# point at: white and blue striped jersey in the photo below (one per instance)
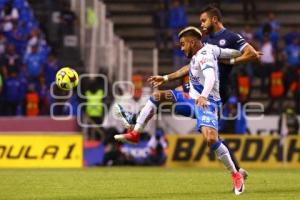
(207, 57)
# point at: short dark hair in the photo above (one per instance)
(212, 11)
(190, 31)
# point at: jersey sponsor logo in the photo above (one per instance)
(203, 61)
(222, 42)
(250, 151)
(194, 79)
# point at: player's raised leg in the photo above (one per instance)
(129, 120)
(145, 115)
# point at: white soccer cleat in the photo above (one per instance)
(126, 118)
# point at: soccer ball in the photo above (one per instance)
(66, 78)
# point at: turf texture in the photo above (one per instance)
(145, 183)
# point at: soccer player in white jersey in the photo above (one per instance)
(203, 100)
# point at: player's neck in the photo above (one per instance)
(218, 28)
(198, 47)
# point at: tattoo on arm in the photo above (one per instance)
(179, 73)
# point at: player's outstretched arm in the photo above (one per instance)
(232, 56)
(156, 81)
(249, 54)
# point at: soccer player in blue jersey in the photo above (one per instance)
(217, 34)
(211, 25)
(203, 101)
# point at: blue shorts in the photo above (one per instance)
(184, 105)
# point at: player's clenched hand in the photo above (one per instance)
(259, 54)
(156, 81)
(202, 102)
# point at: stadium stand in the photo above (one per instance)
(133, 22)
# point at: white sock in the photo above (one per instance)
(144, 116)
(224, 155)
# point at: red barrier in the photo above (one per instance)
(37, 124)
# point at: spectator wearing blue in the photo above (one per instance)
(273, 22)
(160, 22)
(17, 38)
(290, 36)
(267, 29)
(34, 64)
(50, 69)
(232, 120)
(292, 55)
(12, 91)
(178, 18)
(177, 21)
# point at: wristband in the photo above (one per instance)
(232, 61)
(166, 78)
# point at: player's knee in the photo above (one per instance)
(211, 137)
(211, 141)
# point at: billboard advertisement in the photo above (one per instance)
(39, 151)
(250, 151)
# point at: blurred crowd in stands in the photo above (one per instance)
(27, 62)
(277, 74)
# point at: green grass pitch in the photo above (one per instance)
(144, 183)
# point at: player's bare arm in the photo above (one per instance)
(249, 54)
(156, 81)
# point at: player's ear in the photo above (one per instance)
(214, 19)
(193, 43)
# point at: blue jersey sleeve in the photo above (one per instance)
(237, 42)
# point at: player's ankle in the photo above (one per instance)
(138, 128)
